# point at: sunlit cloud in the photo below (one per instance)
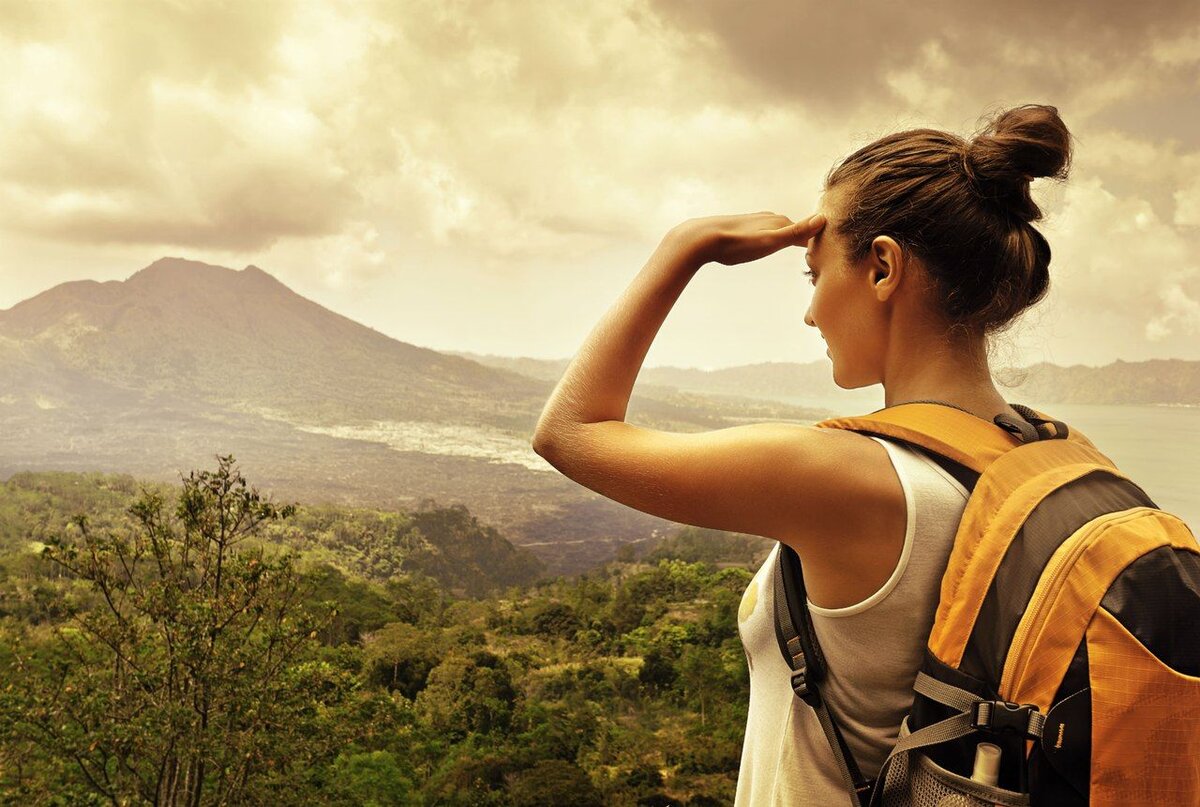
(361, 148)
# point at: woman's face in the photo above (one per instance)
(845, 307)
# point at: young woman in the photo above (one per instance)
(922, 248)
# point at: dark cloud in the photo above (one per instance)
(838, 56)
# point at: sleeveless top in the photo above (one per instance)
(873, 649)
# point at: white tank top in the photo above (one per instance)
(873, 649)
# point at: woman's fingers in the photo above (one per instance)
(810, 226)
(747, 237)
(799, 233)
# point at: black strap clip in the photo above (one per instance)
(800, 685)
(997, 716)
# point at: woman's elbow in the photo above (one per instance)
(541, 443)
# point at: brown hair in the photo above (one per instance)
(963, 208)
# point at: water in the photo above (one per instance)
(1156, 446)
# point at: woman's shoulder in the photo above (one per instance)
(859, 490)
(863, 469)
(860, 536)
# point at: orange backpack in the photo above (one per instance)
(1066, 631)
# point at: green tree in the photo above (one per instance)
(400, 657)
(702, 677)
(551, 619)
(553, 782)
(373, 779)
(468, 694)
(657, 672)
(167, 691)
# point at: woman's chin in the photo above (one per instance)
(842, 376)
(842, 382)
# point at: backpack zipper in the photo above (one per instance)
(1017, 661)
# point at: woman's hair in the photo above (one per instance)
(963, 208)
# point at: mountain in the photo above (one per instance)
(193, 329)
(155, 374)
(1171, 382)
(767, 380)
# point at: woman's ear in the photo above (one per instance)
(887, 259)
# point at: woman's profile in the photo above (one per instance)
(921, 250)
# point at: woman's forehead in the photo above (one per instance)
(824, 241)
(821, 242)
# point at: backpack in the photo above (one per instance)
(1065, 632)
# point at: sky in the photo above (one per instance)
(489, 175)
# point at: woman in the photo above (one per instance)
(922, 248)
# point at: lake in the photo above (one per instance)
(1156, 446)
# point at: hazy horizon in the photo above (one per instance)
(490, 178)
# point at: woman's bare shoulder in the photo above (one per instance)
(855, 539)
(860, 491)
(862, 465)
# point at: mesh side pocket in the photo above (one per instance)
(914, 780)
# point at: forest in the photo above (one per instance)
(200, 644)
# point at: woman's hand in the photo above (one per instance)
(731, 240)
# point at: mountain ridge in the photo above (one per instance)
(182, 325)
(154, 374)
(1153, 381)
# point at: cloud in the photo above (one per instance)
(843, 57)
(351, 258)
(162, 124)
(1182, 313)
(336, 142)
(1187, 206)
(1114, 257)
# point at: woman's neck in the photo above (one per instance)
(960, 377)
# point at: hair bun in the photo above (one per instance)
(1013, 148)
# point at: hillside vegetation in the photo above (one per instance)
(200, 644)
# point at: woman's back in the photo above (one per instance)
(873, 649)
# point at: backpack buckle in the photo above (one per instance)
(800, 685)
(800, 682)
(996, 716)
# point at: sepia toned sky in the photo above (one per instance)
(489, 175)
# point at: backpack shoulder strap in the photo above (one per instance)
(958, 435)
(801, 649)
(945, 430)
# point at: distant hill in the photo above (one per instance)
(703, 545)
(1155, 381)
(767, 380)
